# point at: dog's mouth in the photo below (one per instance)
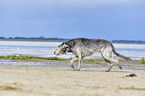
(58, 53)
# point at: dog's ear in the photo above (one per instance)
(65, 47)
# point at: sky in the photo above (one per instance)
(103, 19)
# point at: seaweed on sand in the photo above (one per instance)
(21, 57)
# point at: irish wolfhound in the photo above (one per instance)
(82, 47)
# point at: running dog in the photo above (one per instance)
(82, 47)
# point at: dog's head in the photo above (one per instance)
(61, 49)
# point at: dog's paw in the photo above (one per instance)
(107, 71)
(73, 67)
(76, 69)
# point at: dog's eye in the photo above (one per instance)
(65, 48)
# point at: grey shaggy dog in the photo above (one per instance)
(82, 47)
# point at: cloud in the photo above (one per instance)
(68, 4)
(91, 3)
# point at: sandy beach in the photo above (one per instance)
(28, 80)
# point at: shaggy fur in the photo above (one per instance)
(82, 47)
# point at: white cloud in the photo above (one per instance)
(31, 6)
(66, 3)
(91, 3)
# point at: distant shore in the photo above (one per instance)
(43, 39)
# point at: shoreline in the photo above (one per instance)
(88, 64)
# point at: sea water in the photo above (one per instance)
(46, 49)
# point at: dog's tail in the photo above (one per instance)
(114, 51)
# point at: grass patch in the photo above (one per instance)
(88, 61)
(21, 57)
(142, 61)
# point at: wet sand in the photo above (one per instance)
(55, 78)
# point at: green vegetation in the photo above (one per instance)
(70, 59)
(41, 38)
(21, 57)
(142, 61)
(128, 42)
(88, 61)
(44, 39)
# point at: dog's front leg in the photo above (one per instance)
(72, 61)
(79, 63)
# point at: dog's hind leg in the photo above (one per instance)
(110, 66)
(116, 61)
(107, 56)
(108, 62)
(111, 60)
